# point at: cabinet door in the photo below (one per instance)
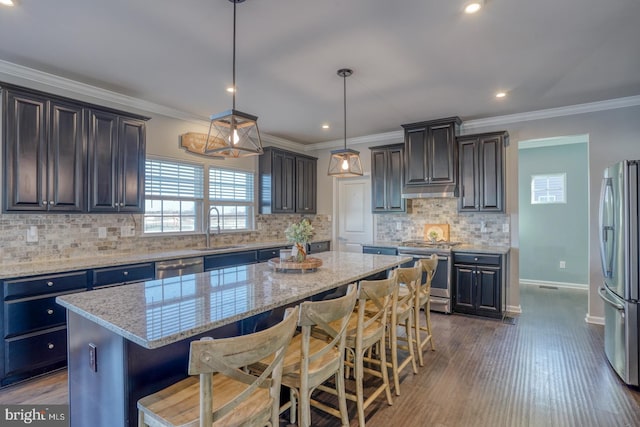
(488, 292)
(283, 175)
(468, 152)
(306, 185)
(441, 156)
(465, 289)
(394, 183)
(103, 161)
(131, 150)
(490, 173)
(66, 154)
(25, 152)
(378, 180)
(416, 156)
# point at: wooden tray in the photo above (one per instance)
(309, 265)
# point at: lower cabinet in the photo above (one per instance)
(379, 250)
(316, 247)
(478, 284)
(122, 274)
(34, 339)
(215, 262)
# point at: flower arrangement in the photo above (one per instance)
(300, 234)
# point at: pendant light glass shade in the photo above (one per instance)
(345, 162)
(232, 133)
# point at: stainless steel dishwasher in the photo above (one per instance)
(179, 267)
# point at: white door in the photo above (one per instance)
(355, 220)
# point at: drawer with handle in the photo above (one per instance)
(112, 276)
(476, 258)
(37, 285)
(25, 316)
(35, 351)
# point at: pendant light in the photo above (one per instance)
(345, 162)
(233, 133)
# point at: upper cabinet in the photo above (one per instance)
(387, 178)
(116, 162)
(288, 182)
(44, 148)
(482, 172)
(431, 156)
(67, 156)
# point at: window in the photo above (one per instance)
(173, 197)
(232, 193)
(549, 188)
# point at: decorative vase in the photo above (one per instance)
(298, 252)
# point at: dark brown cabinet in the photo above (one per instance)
(387, 179)
(34, 337)
(430, 158)
(481, 170)
(44, 147)
(478, 284)
(287, 182)
(116, 162)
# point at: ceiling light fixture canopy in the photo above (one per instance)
(345, 162)
(233, 133)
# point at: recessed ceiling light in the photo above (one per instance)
(472, 7)
(325, 126)
(501, 94)
(230, 89)
(7, 2)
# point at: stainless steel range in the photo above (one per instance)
(441, 292)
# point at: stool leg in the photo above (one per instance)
(394, 358)
(416, 328)
(342, 398)
(408, 328)
(385, 373)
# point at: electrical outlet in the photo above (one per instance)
(398, 226)
(102, 232)
(483, 227)
(127, 231)
(32, 234)
(505, 228)
(563, 264)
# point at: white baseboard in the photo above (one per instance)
(514, 309)
(565, 285)
(595, 320)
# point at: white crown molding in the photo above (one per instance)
(61, 83)
(378, 138)
(56, 82)
(591, 107)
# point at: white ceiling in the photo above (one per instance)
(413, 60)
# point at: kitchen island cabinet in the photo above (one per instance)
(129, 341)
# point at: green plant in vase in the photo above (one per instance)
(300, 234)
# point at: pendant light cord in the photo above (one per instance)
(234, 55)
(344, 80)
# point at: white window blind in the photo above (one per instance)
(174, 193)
(548, 188)
(232, 193)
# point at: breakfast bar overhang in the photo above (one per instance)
(129, 341)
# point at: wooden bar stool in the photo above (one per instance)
(366, 330)
(422, 300)
(402, 315)
(225, 394)
(315, 355)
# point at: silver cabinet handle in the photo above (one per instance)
(44, 202)
(125, 273)
(49, 283)
(51, 202)
(49, 311)
(121, 204)
(50, 345)
(603, 294)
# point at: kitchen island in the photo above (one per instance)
(129, 341)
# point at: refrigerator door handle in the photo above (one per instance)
(606, 193)
(603, 294)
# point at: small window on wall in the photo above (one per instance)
(174, 194)
(232, 193)
(548, 188)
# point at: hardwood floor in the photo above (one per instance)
(547, 369)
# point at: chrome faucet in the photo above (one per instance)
(212, 208)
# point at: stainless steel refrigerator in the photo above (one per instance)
(619, 240)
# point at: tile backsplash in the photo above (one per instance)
(464, 227)
(76, 235)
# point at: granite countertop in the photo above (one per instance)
(63, 265)
(160, 312)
